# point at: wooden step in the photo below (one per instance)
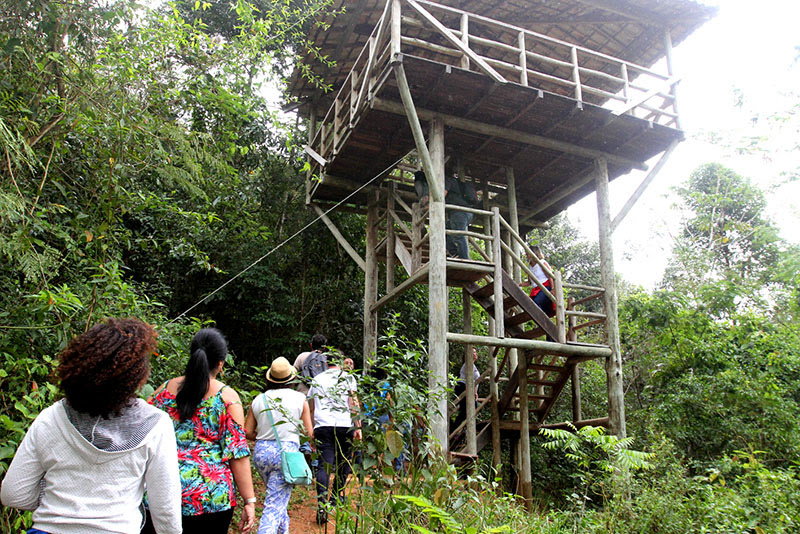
(539, 397)
(485, 291)
(543, 367)
(518, 319)
(543, 382)
(531, 334)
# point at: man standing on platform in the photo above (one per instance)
(457, 193)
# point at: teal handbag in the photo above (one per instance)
(293, 463)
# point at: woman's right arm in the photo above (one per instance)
(306, 417)
(21, 484)
(250, 425)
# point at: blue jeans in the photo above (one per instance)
(544, 302)
(457, 244)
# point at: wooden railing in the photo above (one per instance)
(490, 236)
(511, 54)
(506, 53)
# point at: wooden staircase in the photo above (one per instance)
(548, 350)
(547, 373)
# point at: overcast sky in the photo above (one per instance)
(737, 72)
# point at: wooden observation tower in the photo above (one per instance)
(538, 103)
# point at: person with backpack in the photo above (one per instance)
(459, 193)
(309, 364)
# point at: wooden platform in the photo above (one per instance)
(548, 180)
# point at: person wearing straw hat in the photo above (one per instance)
(290, 416)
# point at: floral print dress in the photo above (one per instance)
(206, 444)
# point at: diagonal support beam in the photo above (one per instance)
(340, 238)
(636, 102)
(455, 41)
(645, 183)
(410, 111)
(314, 154)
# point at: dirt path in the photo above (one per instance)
(302, 512)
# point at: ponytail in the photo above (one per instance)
(207, 350)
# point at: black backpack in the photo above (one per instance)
(469, 194)
(315, 363)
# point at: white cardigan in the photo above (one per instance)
(75, 488)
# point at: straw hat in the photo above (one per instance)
(281, 371)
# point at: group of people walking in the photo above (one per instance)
(102, 460)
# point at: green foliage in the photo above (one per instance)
(712, 386)
(728, 248)
(592, 449)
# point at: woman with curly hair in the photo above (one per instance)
(84, 462)
(212, 450)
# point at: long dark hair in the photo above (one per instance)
(207, 350)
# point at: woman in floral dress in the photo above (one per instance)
(212, 449)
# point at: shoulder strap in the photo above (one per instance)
(271, 421)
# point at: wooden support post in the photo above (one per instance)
(576, 76)
(487, 225)
(513, 354)
(465, 40)
(354, 78)
(340, 238)
(626, 86)
(497, 255)
(493, 391)
(312, 130)
(435, 189)
(671, 72)
(395, 29)
(616, 400)
(312, 120)
(437, 300)
(572, 335)
(523, 59)
(371, 283)
(390, 237)
(495, 399)
(526, 483)
(558, 292)
(643, 186)
(416, 236)
(513, 214)
(469, 376)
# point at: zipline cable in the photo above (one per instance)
(303, 229)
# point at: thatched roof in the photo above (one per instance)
(631, 30)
